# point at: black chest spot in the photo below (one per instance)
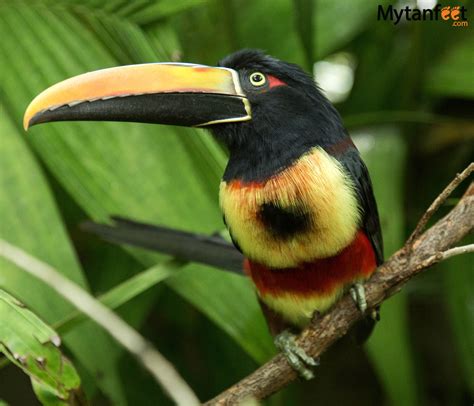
(285, 222)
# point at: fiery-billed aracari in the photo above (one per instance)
(296, 196)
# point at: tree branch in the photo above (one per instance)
(419, 252)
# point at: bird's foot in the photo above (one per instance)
(358, 294)
(375, 314)
(296, 356)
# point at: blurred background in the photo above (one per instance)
(406, 93)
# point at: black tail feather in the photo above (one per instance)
(204, 249)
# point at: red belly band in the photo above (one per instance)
(322, 276)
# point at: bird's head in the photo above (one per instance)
(263, 109)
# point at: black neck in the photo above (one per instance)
(261, 148)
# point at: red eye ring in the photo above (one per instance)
(275, 82)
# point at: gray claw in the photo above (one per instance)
(358, 294)
(295, 355)
(375, 314)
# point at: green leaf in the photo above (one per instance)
(138, 11)
(33, 346)
(389, 346)
(163, 9)
(47, 397)
(452, 76)
(31, 221)
(126, 291)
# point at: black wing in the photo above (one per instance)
(354, 165)
(209, 250)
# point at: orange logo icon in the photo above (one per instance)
(448, 12)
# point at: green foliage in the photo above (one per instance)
(33, 346)
(30, 220)
(458, 279)
(126, 291)
(406, 76)
(386, 158)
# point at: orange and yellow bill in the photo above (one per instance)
(126, 94)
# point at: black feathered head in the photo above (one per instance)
(290, 115)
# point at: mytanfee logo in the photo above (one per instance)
(455, 15)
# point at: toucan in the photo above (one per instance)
(296, 196)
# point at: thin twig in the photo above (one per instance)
(161, 369)
(431, 247)
(441, 256)
(438, 202)
(465, 249)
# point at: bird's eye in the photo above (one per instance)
(258, 79)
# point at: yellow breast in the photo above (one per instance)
(298, 309)
(318, 185)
